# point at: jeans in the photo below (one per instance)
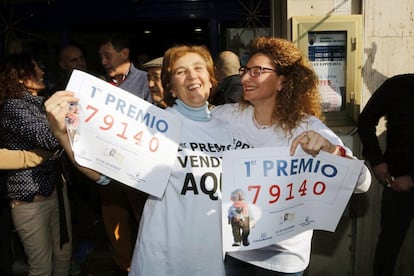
(37, 224)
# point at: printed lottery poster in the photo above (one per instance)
(269, 196)
(120, 135)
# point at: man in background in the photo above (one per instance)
(153, 68)
(70, 57)
(229, 88)
(83, 193)
(122, 205)
(114, 53)
(394, 166)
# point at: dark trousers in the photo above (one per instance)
(85, 207)
(121, 210)
(6, 259)
(235, 267)
(397, 211)
(241, 230)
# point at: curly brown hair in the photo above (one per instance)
(172, 55)
(14, 70)
(299, 96)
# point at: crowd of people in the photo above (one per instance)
(271, 101)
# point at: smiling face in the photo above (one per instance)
(261, 89)
(190, 80)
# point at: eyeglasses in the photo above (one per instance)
(254, 71)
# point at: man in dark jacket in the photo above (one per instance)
(229, 88)
(393, 167)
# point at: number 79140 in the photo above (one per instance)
(275, 192)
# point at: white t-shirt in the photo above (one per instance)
(180, 234)
(291, 255)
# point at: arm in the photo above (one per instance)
(364, 181)
(57, 107)
(374, 110)
(27, 122)
(21, 159)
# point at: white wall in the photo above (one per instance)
(388, 42)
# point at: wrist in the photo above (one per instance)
(61, 135)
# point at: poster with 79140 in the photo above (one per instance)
(269, 196)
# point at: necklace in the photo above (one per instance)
(259, 125)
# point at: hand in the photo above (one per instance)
(402, 183)
(382, 174)
(312, 143)
(57, 108)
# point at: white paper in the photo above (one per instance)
(122, 136)
(286, 194)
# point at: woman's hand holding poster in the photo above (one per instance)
(269, 195)
(121, 135)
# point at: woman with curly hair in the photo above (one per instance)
(281, 106)
(34, 193)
